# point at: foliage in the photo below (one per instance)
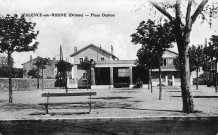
(17, 34)
(154, 37)
(214, 46)
(196, 55)
(196, 58)
(210, 52)
(147, 58)
(4, 69)
(87, 64)
(41, 63)
(63, 66)
(34, 73)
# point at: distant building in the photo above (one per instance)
(169, 74)
(210, 75)
(48, 73)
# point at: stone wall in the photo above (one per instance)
(25, 84)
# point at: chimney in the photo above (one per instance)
(112, 49)
(31, 58)
(75, 49)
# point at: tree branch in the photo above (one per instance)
(199, 10)
(188, 16)
(178, 10)
(163, 11)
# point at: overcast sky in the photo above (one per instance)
(82, 31)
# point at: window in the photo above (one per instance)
(164, 62)
(81, 60)
(167, 62)
(102, 58)
(170, 61)
(84, 77)
(123, 72)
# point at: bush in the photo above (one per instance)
(138, 84)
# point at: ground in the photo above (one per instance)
(116, 112)
(110, 103)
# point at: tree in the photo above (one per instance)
(16, 35)
(206, 64)
(196, 55)
(214, 54)
(147, 60)
(155, 40)
(63, 67)
(182, 33)
(86, 65)
(41, 63)
(196, 59)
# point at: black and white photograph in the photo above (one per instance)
(108, 67)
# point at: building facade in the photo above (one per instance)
(169, 75)
(48, 73)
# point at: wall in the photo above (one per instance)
(25, 84)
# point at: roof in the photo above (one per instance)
(37, 58)
(172, 52)
(92, 45)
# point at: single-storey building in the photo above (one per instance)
(108, 71)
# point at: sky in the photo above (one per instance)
(70, 32)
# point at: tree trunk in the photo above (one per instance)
(38, 79)
(160, 83)
(151, 81)
(149, 76)
(187, 98)
(216, 75)
(183, 41)
(197, 78)
(87, 81)
(65, 78)
(42, 81)
(10, 81)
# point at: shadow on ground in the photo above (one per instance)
(200, 96)
(59, 113)
(110, 98)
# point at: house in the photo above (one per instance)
(109, 71)
(210, 74)
(169, 75)
(93, 53)
(48, 73)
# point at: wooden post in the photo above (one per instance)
(42, 80)
(46, 108)
(197, 78)
(216, 75)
